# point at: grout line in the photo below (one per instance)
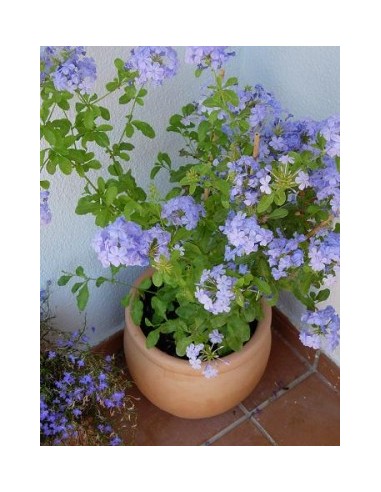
(248, 414)
(263, 431)
(280, 393)
(316, 360)
(328, 383)
(227, 429)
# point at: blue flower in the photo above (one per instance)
(75, 73)
(324, 323)
(215, 336)
(207, 56)
(215, 290)
(153, 63)
(182, 211)
(210, 371)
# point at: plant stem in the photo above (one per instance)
(320, 226)
(256, 145)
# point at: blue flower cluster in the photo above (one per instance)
(215, 290)
(126, 243)
(207, 56)
(45, 213)
(284, 254)
(244, 234)
(323, 324)
(154, 63)
(266, 109)
(250, 180)
(324, 251)
(75, 71)
(182, 211)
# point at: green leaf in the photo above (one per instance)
(145, 284)
(152, 338)
(157, 279)
(65, 165)
(76, 286)
(280, 197)
(222, 185)
(100, 281)
(50, 136)
(137, 312)
(110, 195)
(163, 156)
(88, 120)
(203, 128)
(323, 295)
(159, 306)
(119, 64)
(231, 97)
(264, 203)
(144, 127)
(105, 113)
(111, 86)
(278, 213)
(44, 184)
(262, 285)
(83, 297)
(182, 344)
(240, 300)
(154, 171)
(104, 128)
(79, 271)
(129, 130)
(102, 139)
(249, 313)
(125, 99)
(231, 81)
(126, 300)
(63, 280)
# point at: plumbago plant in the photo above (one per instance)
(253, 211)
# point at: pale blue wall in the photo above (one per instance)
(305, 79)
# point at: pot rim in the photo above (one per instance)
(166, 361)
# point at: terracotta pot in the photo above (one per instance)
(174, 386)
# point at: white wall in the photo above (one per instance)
(305, 80)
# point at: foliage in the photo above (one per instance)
(254, 210)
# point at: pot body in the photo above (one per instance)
(175, 387)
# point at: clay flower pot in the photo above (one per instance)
(174, 386)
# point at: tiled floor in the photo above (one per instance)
(297, 403)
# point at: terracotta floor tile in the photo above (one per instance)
(283, 367)
(158, 428)
(282, 325)
(245, 434)
(307, 415)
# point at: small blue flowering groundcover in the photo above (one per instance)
(82, 393)
(254, 209)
